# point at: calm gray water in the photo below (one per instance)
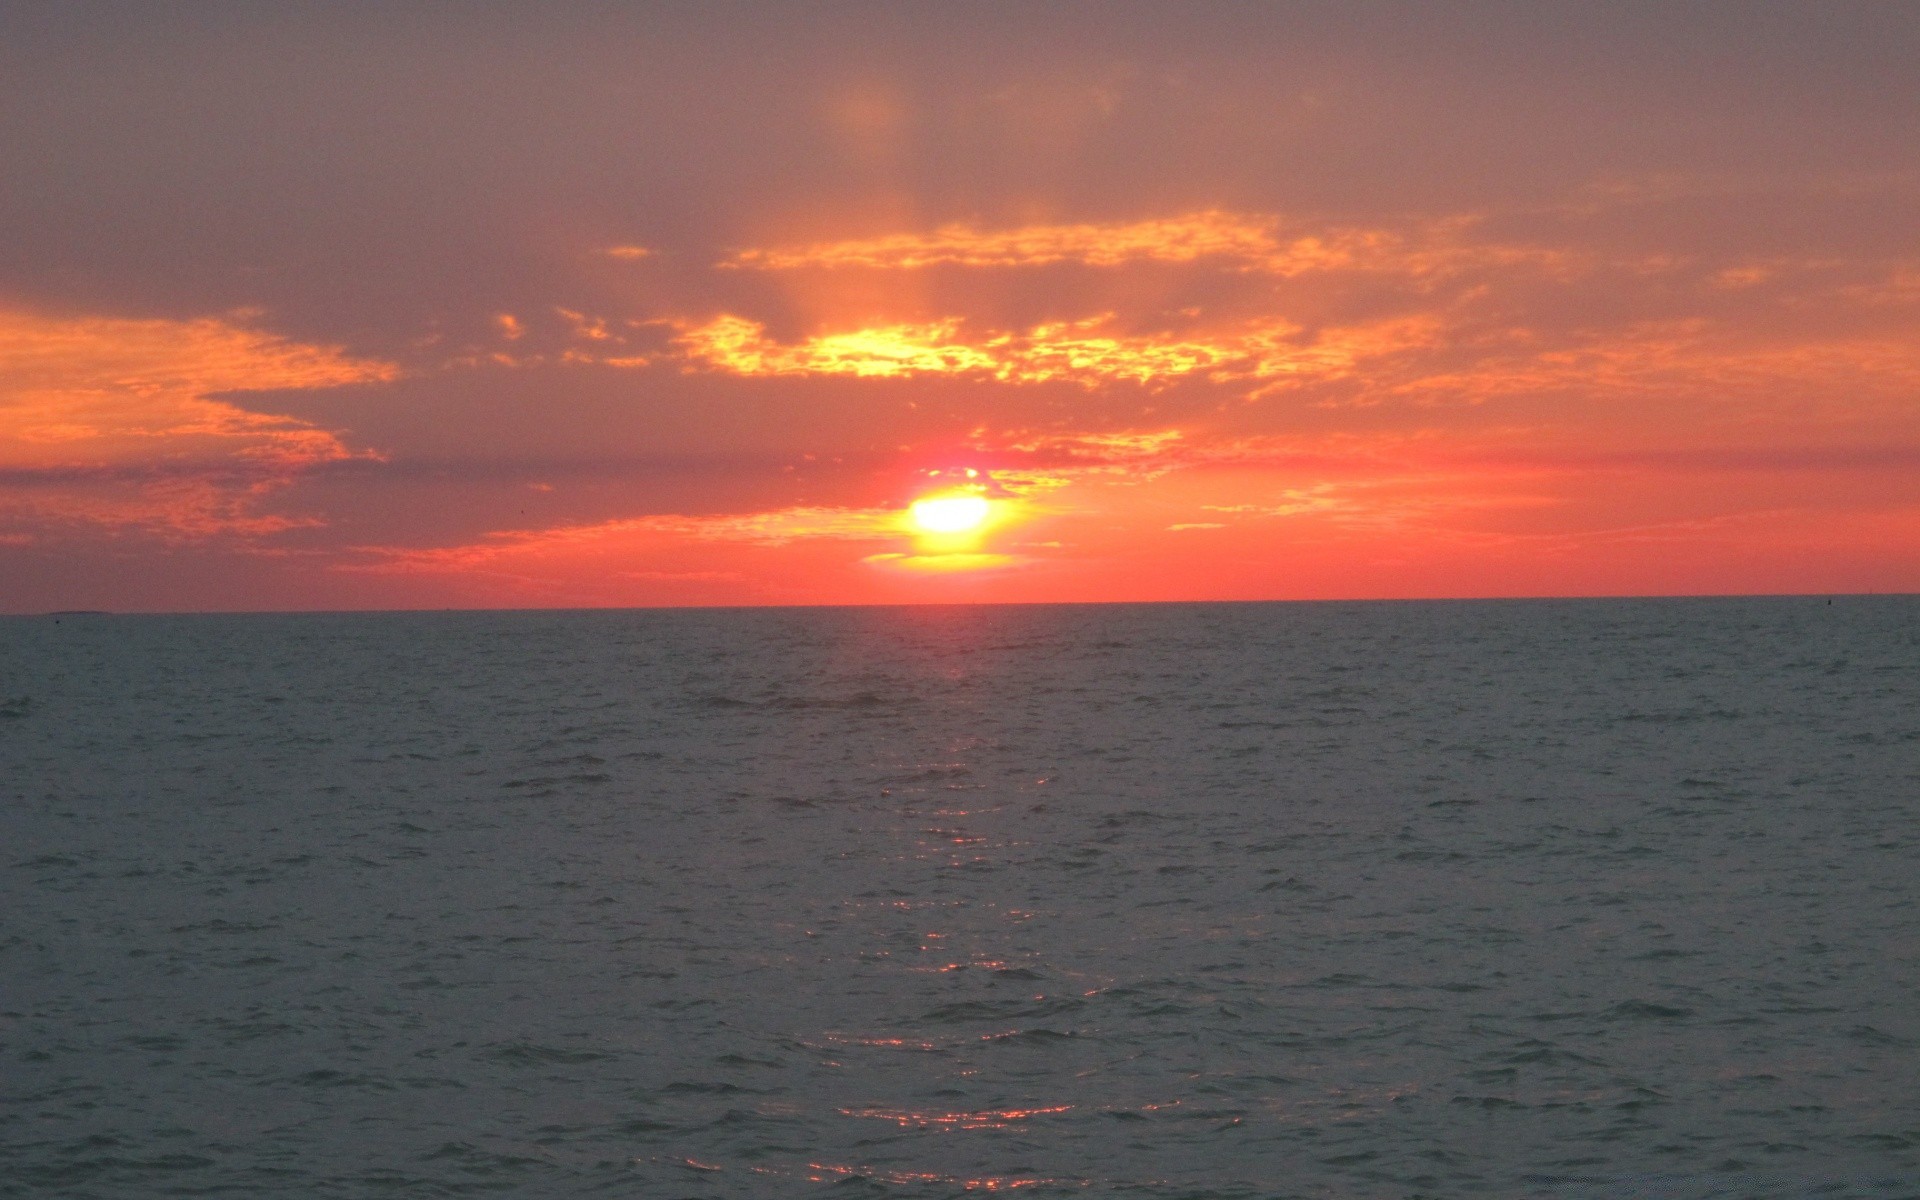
(1595, 898)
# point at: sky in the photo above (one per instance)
(312, 306)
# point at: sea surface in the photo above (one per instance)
(1611, 898)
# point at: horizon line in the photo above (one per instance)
(1543, 598)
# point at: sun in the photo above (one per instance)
(949, 514)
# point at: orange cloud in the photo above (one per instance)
(725, 547)
(124, 422)
(1174, 239)
(1101, 447)
(557, 336)
(1086, 352)
(1254, 242)
(1897, 286)
(1172, 513)
(945, 564)
(741, 347)
(1685, 359)
(777, 527)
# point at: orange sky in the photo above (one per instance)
(409, 308)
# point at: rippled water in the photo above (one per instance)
(1606, 898)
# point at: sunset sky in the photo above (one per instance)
(388, 306)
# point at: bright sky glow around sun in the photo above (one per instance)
(949, 514)
(645, 305)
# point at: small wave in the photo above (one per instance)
(1646, 1010)
(1032, 1036)
(532, 1054)
(548, 781)
(473, 1159)
(328, 1078)
(856, 701)
(49, 860)
(992, 1118)
(1004, 1010)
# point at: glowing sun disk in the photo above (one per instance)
(949, 514)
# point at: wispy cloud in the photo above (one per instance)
(1087, 352)
(116, 421)
(1257, 242)
(1695, 361)
(1211, 234)
(775, 527)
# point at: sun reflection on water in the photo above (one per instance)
(1001, 1118)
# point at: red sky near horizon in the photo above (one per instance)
(403, 307)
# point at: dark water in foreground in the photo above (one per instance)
(1608, 898)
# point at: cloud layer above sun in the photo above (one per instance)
(1253, 304)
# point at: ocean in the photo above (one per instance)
(1601, 898)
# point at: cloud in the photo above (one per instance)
(784, 525)
(1088, 352)
(945, 564)
(1125, 446)
(1899, 285)
(1182, 239)
(688, 546)
(132, 422)
(776, 527)
(1292, 503)
(1705, 363)
(557, 336)
(1261, 243)
(741, 347)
